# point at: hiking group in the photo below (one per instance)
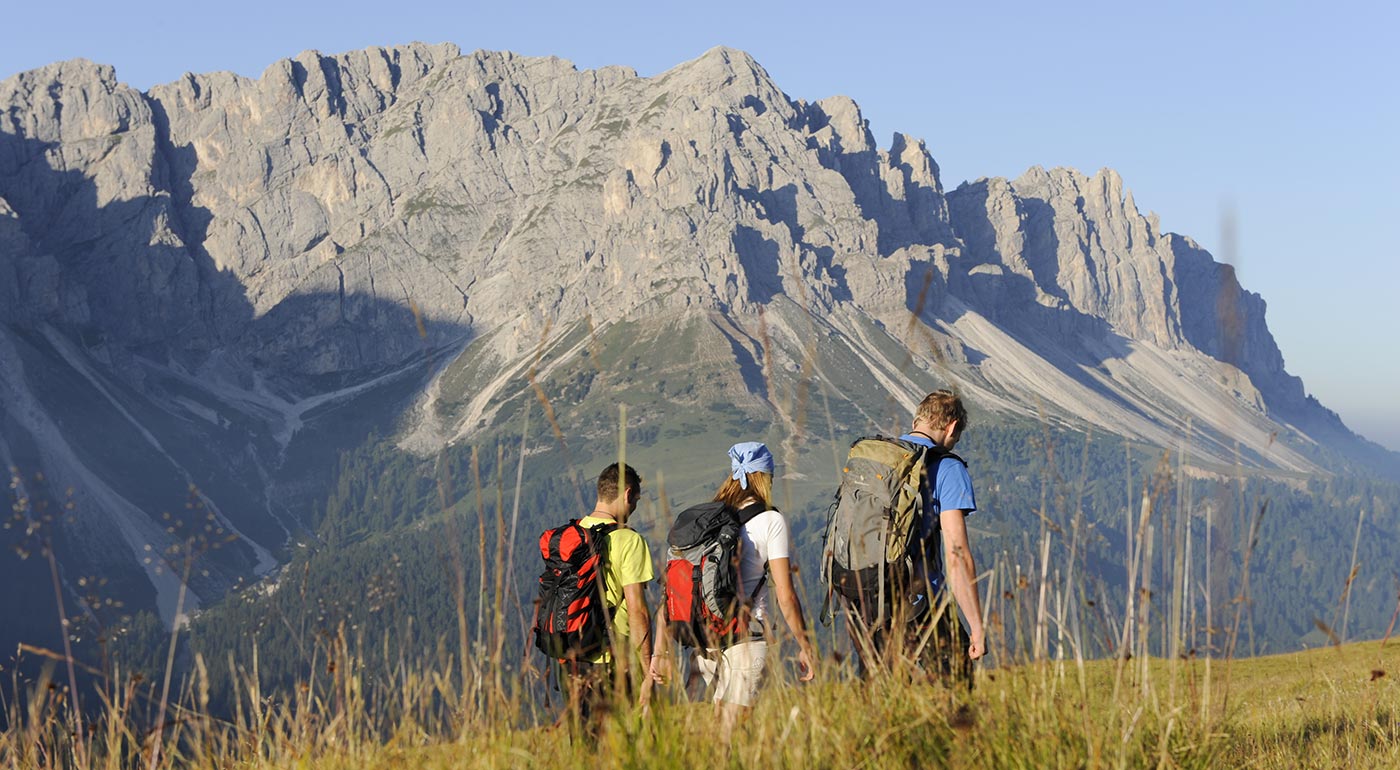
(895, 557)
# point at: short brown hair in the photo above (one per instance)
(940, 408)
(607, 481)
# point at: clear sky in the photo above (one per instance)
(1286, 113)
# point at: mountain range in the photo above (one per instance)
(212, 289)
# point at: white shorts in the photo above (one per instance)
(740, 670)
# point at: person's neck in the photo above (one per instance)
(924, 433)
(600, 512)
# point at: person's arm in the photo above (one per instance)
(639, 623)
(630, 561)
(780, 574)
(962, 576)
(661, 653)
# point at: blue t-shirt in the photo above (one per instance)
(951, 491)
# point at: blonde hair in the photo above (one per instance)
(760, 488)
(940, 408)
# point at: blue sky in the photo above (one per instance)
(1285, 113)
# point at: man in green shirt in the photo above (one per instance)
(626, 573)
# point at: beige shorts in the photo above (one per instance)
(740, 670)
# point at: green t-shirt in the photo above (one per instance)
(629, 563)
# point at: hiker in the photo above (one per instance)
(734, 660)
(901, 597)
(589, 657)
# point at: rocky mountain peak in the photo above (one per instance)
(334, 188)
(837, 124)
(722, 68)
(71, 101)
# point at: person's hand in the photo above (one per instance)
(806, 660)
(660, 668)
(978, 646)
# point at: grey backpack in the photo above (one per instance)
(866, 552)
(706, 605)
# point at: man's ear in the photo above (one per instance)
(634, 495)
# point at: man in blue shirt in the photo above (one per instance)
(948, 500)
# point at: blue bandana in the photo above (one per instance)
(749, 457)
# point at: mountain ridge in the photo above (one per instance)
(261, 271)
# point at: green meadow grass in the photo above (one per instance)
(1337, 707)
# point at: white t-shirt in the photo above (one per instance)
(765, 537)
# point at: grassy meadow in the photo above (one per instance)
(1319, 708)
(1336, 707)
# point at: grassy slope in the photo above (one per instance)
(1323, 708)
(1319, 709)
(1333, 707)
(1313, 709)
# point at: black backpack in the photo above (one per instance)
(571, 617)
(704, 605)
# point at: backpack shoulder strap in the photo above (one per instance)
(744, 516)
(939, 454)
(598, 537)
(762, 579)
(935, 457)
(748, 512)
(606, 528)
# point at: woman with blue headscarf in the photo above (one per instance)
(765, 568)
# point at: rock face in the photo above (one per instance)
(223, 272)
(335, 188)
(1064, 240)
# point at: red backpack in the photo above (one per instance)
(571, 619)
(704, 605)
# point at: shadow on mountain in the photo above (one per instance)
(1042, 246)
(1062, 335)
(1217, 317)
(777, 205)
(912, 220)
(749, 367)
(150, 384)
(762, 257)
